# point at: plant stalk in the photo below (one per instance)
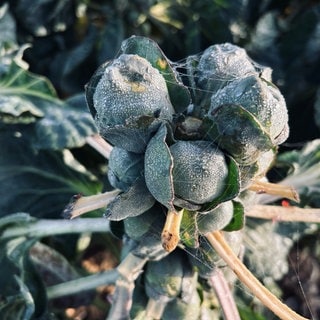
(129, 270)
(291, 213)
(224, 295)
(48, 227)
(79, 204)
(100, 145)
(247, 278)
(274, 189)
(170, 235)
(86, 283)
(154, 309)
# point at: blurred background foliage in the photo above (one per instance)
(70, 39)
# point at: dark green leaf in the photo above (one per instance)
(247, 314)
(65, 126)
(22, 292)
(237, 221)
(130, 203)
(189, 232)
(158, 168)
(27, 98)
(226, 127)
(46, 16)
(232, 186)
(37, 182)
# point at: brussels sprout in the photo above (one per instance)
(199, 171)
(260, 98)
(180, 309)
(189, 173)
(222, 63)
(124, 168)
(257, 169)
(136, 227)
(130, 100)
(163, 278)
(148, 49)
(215, 219)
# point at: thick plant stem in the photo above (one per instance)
(86, 283)
(154, 309)
(170, 236)
(129, 269)
(247, 278)
(100, 145)
(49, 227)
(80, 204)
(274, 189)
(224, 295)
(291, 213)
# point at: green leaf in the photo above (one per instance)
(189, 232)
(247, 314)
(158, 168)
(26, 98)
(23, 294)
(237, 131)
(148, 49)
(232, 186)
(304, 175)
(65, 126)
(40, 183)
(237, 221)
(134, 201)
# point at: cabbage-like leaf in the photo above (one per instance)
(237, 131)
(38, 182)
(304, 175)
(22, 293)
(134, 201)
(158, 168)
(26, 98)
(232, 186)
(124, 168)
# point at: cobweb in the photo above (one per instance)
(264, 242)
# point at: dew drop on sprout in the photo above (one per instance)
(199, 170)
(128, 90)
(222, 63)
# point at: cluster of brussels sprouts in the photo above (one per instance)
(184, 152)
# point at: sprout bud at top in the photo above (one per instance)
(129, 91)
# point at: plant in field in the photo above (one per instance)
(180, 159)
(188, 146)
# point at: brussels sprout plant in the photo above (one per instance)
(181, 172)
(187, 162)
